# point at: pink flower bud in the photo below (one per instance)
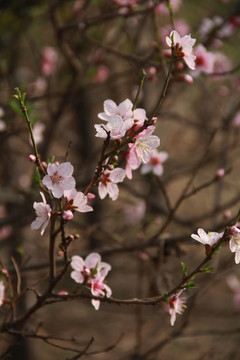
(67, 215)
(62, 292)
(152, 71)
(227, 214)
(184, 77)
(5, 272)
(179, 66)
(167, 52)
(220, 173)
(32, 158)
(44, 165)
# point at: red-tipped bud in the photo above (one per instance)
(32, 158)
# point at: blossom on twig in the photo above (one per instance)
(43, 212)
(234, 243)
(108, 183)
(176, 305)
(209, 238)
(59, 178)
(140, 151)
(182, 47)
(154, 165)
(75, 200)
(92, 272)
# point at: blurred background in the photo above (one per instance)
(70, 56)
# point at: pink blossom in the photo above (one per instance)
(108, 183)
(144, 145)
(176, 306)
(3, 126)
(92, 273)
(135, 212)
(102, 74)
(98, 287)
(126, 3)
(111, 109)
(2, 292)
(234, 284)
(5, 232)
(209, 238)
(116, 127)
(180, 25)
(49, 60)
(236, 119)
(43, 212)
(220, 173)
(182, 48)
(229, 28)
(38, 87)
(204, 60)
(234, 243)
(38, 130)
(59, 178)
(208, 25)
(155, 163)
(221, 63)
(163, 10)
(75, 200)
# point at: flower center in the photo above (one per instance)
(105, 179)
(56, 178)
(155, 161)
(178, 51)
(199, 61)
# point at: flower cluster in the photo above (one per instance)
(60, 181)
(91, 272)
(209, 239)
(123, 120)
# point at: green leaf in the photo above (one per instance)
(165, 297)
(51, 159)
(190, 285)
(168, 5)
(207, 270)
(184, 268)
(15, 107)
(37, 177)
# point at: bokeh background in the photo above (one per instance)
(69, 56)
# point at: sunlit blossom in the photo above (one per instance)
(154, 165)
(209, 238)
(108, 183)
(43, 212)
(59, 178)
(182, 48)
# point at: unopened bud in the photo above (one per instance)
(62, 292)
(188, 79)
(44, 165)
(220, 173)
(227, 214)
(110, 167)
(67, 215)
(115, 158)
(152, 71)
(167, 52)
(154, 119)
(32, 158)
(179, 65)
